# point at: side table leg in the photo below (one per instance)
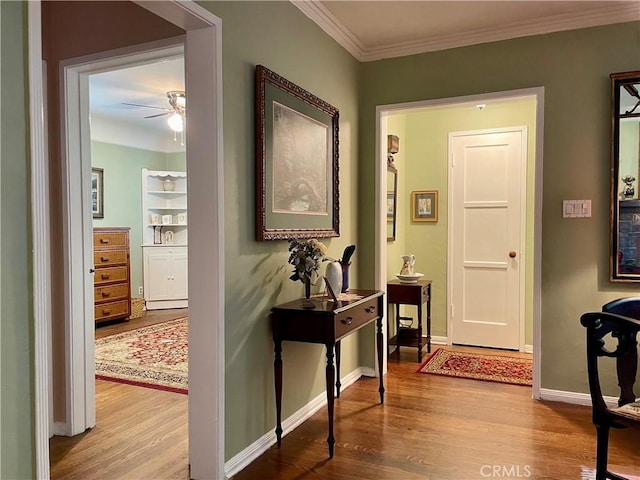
(277, 368)
(330, 379)
(429, 318)
(419, 333)
(338, 384)
(398, 329)
(380, 345)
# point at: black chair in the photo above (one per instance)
(619, 321)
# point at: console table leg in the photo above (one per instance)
(338, 384)
(429, 318)
(380, 345)
(330, 378)
(419, 333)
(277, 368)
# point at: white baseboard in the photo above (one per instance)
(572, 397)
(60, 429)
(257, 448)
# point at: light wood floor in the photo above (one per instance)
(430, 428)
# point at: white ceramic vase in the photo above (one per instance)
(168, 185)
(334, 276)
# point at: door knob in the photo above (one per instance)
(512, 254)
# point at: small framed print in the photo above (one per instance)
(167, 219)
(97, 192)
(154, 219)
(391, 205)
(424, 206)
(182, 218)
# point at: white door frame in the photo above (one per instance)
(382, 111)
(203, 65)
(77, 218)
(522, 228)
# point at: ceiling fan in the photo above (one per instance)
(178, 102)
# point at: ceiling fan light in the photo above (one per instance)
(176, 122)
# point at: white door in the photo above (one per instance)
(486, 241)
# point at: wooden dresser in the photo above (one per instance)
(111, 283)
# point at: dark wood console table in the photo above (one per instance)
(327, 324)
(417, 294)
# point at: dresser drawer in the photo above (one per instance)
(356, 317)
(110, 257)
(111, 292)
(111, 275)
(112, 310)
(110, 239)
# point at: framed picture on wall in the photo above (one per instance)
(296, 161)
(424, 206)
(97, 193)
(391, 205)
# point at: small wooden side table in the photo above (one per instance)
(418, 293)
(328, 323)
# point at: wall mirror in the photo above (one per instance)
(625, 172)
(392, 197)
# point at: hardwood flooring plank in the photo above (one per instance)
(430, 428)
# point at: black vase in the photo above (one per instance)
(307, 287)
(345, 276)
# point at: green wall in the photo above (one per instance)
(280, 37)
(573, 67)
(123, 192)
(16, 342)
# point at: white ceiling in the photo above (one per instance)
(372, 30)
(369, 30)
(114, 122)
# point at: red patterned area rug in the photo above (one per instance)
(153, 357)
(479, 366)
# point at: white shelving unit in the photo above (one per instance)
(164, 238)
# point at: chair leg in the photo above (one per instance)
(602, 447)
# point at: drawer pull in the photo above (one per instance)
(347, 321)
(106, 294)
(370, 309)
(104, 259)
(106, 312)
(104, 240)
(105, 277)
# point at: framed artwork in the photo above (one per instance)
(296, 161)
(391, 205)
(424, 206)
(97, 192)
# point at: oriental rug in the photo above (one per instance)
(155, 356)
(479, 366)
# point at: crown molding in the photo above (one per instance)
(573, 21)
(331, 26)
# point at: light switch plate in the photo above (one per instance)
(576, 208)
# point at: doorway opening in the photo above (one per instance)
(203, 60)
(416, 122)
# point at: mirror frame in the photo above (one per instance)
(617, 273)
(391, 169)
